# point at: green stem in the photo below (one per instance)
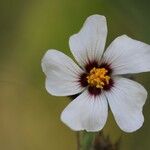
(78, 141)
(95, 141)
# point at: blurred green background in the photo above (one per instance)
(29, 116)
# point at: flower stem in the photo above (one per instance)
(78, 141)
(95, 141)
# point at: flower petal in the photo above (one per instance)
(86, 112)
(126, 55)
(62, 74)
(88, 44)
(126, 100)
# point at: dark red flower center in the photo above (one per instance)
(96, 78)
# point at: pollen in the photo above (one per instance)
(98, 77)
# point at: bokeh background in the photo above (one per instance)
(29, 116)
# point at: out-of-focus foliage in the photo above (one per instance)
(29, 116)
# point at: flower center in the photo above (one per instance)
(98, 77)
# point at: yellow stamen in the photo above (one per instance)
(98, 77)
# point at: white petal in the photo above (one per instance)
(62, 74)
(126, 100)
(86, 112)
(127, 55)
(89, 43)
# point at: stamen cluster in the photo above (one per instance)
(98, 77)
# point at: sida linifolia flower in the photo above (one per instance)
(97, 78)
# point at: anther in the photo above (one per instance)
(98, 77)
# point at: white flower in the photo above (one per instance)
(97, 79)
